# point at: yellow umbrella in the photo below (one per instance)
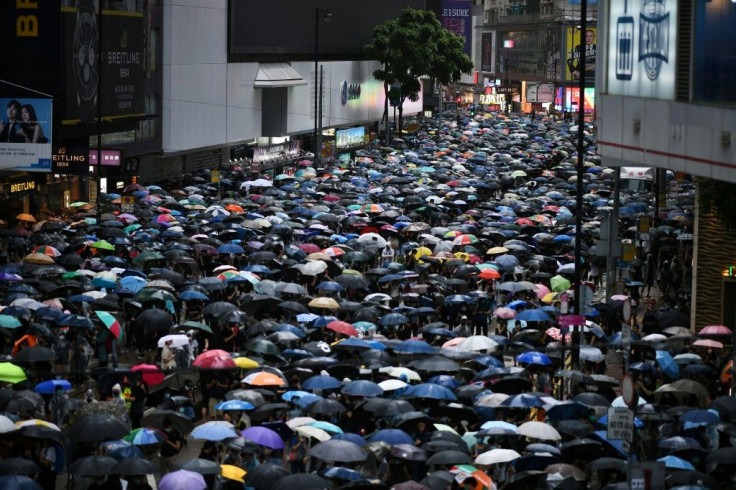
(25, 217)
(232, 472)
(37, 258)
(327, 303)
(245, 363)
(421, 252)
(497, 250)
(549, 298)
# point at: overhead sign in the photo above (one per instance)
(620, 424)
(455, 16)
(71, 157)
(25, 133)
(642, 40)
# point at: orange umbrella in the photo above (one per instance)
(489, 273)
(30, 339)
(234, 208)
(263, 378)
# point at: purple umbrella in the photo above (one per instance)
(182, 480)
(264, 437)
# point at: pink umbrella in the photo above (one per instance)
(619, 297)
(331, 198)
(715, 330)
(504, 312)
(708, 344)
(541, 290)
(555, 333)
(453, 342)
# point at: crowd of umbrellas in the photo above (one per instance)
(396, 313)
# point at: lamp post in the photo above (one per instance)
(326, 16)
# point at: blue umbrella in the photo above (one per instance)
(414, 347)
(668, 365)
(459, 299)
(341, 473)
(18, 482)
(321, 383)
(673, 462)
(677, 443)
(121, 450)
(359, 344)
(100, 282)
(604, 421)
(522, 400)
(49, 387)
(393, 319)
(326, 426)
(533, 315)
(234, 405)
(534, 358)
(230, 248)
(701, 417)
(301, 399)
(81, 298)
(444, 380)
(489, 361)
(362, 387)
(330, 286)
(351, 437)
(429, 390)
(193, 295)
(644, 367)
(391, 436)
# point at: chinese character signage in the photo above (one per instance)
(455, 17)
(642, 44)
(486, 52)
(25, 134)
(110, 158)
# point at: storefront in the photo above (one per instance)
(22, 192)
(272, 160)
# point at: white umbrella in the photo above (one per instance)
(477, 343)
(397, 372)
(493, 400)
(377, 297)
(312, 268)
(496, 456)
(392, 384)
(316, 432)
(374, 238)
(177, 340)
(619, 402)
(539, 430)
(299, 421)
(6, 425)
(591, 354)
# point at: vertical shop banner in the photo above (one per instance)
(120, 36)
(579, 52)
(642, 40)
(486, 56)
(25, 133)
(70, 157)
(456, 17)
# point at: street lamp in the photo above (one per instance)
(325, 16)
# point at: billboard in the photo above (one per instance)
(30, 46)
(572, 99)
(455, 16)
(119, 34)
(540, 92)
(25, 134)
(578, 51)
(71, 157)
(642, 40)
(486, 55)
(347, 138)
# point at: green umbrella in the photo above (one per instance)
(77, 204)
(198, 325)
(8, 321)
(103, 244)
(149, 256)
(132, 228)
(559, 284)
(10, 373)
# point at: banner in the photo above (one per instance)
(25, 134)
(455, 16)
(71, 157)
(642, 40)
(486, 56)
(120, 36)
(577, 50)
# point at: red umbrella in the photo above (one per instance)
(343, 328)
(309, 248)
(209, 355)
(489, 274)
(331, 198)
(151, 374)
(217, 363)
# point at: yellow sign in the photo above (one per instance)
(629, 252)
(644, 224)
(127, 200)
(577, 50)
(215, 176)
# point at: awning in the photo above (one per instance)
(272, 75)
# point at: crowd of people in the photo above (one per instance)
(387, 322)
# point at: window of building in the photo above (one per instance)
(714, 68)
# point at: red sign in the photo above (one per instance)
(571, 320)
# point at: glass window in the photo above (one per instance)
(714, 68)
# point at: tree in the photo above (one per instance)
(410, 47)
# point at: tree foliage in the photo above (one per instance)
(412, 46)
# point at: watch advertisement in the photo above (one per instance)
(25, 134)
(71, 157)
(118, 36)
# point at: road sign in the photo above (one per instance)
(620, 424)
(627, 310)
(215, 176)
(127, 204)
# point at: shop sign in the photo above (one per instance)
(71, 157)
(282, 151)
(346, 138)
(110, 158)
(508, 89)
(24, 185)
(349, 91)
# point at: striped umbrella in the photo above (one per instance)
(111, 323)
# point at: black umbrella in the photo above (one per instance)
(450, 458)
(155, 319)
(93, 466)
(34, 354)
(408, 452)
(201, 466)
(156, 420)
(18, 466)
(338, 451)
(18, 482)
(722, 456)
(135, 467)
(302, 481)
(98, 427)
(326, 406)
(695, 478)
(265, 476)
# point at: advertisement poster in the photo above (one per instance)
(122, 62)
(25, 134)
(71, 157)
(540, 92)
(455, 17)
(486, 52)
(572, 99)
(346, 138)
(642, 40)
(578, 52)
